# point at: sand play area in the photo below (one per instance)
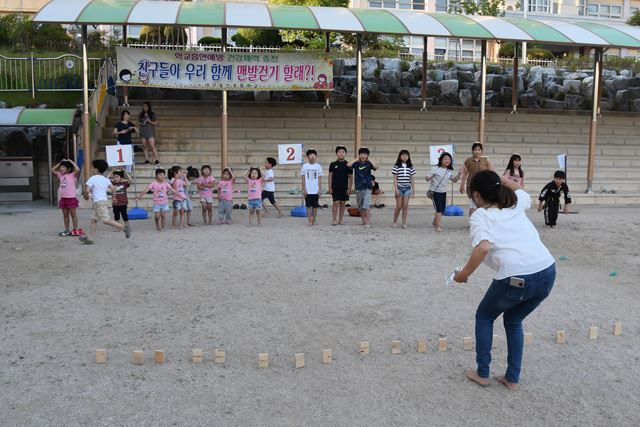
(287, 288)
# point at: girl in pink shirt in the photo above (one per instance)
(160, 189)
(254, 179)
(225, 196)
(514, 170)
(67, 172)
(178, 183)
(205, 187)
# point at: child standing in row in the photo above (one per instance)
(440, 176)
(311, 185)
(254, 179)
(160, 189)
(191, 189)
(404, 185)
(340, 183)
(205, 187)
(225, 196)
(178, 184)
(362, 167)
(549, 199)
(96, 187)
(120, 180)
(269, 191)
(67, 172)
(514, 170)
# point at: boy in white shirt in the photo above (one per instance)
(269, 189)
(311, 185)
(96, 187)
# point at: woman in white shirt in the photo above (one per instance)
(506, 241)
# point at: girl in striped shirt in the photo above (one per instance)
(404, 186)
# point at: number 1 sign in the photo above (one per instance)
(119, 155)
(289, 154)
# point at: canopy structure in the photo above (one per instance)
(36, 117)
(338, 19)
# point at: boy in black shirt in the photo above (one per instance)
(549, 199)
(340, 181)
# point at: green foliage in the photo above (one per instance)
(163, 35)
(210, 41)
(18, 31)
(560, 96)
(539, 53)
(634, 19)
(256, 37)
(506, 50)
(481, 7)
(404, 65)
(376, 73)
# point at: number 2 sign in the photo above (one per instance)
(119, 155)
(289, 154)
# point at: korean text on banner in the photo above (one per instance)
(289, 154)
(562, 161)
(224, 70)
(436, 150)
(119, 155)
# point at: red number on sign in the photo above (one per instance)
(291, 154)
(120, 159)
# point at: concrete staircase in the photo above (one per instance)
(189, 135)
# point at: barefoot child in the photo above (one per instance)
(340, 183)
(160, 189)
(404, 186)
(270, 186)
(440, 176)
(514, 170)
(225, 196)
(362, 167)
(205, 186)
(96, 187)
(254, 179)
(549, 199)
(67, 172)
(120, 180)
(474, 164)
(311, 185)
(190, 189)
(178, 183)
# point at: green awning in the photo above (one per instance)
(36, 117)
(338, 19)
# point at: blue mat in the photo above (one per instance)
(299, 211)
(453, 210)
(138, 213)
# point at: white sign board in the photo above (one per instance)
(436, 150)
(562, 161)
(289, 154)
(119, 155)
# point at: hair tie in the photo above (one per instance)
(498, 184)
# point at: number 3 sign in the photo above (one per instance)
(119, 155)
(289, 154)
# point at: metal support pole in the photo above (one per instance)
(423, 90)
(602, 51)
(593, 128)
(125, 89)
(358, 139)
(514, 85)
(33, 77)
(524, 44)
(483, 90)
(50, 160)
(327, 93)
(85, 108)
(224, 135)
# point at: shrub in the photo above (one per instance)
(210, 41)
(539, 53)
(506, 50)
(404, 65)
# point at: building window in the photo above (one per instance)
(540, 6)
(397, 4)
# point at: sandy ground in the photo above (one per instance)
(288, 288)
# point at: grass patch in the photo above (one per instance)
(52, 99)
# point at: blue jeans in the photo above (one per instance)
(516, 304)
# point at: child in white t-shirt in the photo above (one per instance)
(269, 189)
(96, 187)
(311, 185)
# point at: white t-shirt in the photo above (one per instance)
(516, 248)
(311, 173)
(271, 185)
(98, 185)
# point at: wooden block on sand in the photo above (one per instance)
(494, 342)
(442, 344)
(528, 338)
(219, 357)
(617, 328)
(364, 347)
(299, 360)
(593, 333)
(467, 343)
(327, 356)
(101, 355)
(197, 355)
(396, 347)
(158, 356)
(263, 360)
(561, 337)
(422, 345)
(138, 357)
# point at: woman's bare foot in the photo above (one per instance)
(438, 229)
(511, 386)
(473, 376)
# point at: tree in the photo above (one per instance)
(163, 35)
(481, 7)
(256, 37)
(634, 19)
